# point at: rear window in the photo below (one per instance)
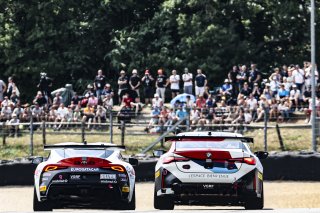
(67, 153)
(209, 144)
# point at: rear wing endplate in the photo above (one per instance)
(179, 138)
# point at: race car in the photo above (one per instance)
(209, 168)
(77, 175)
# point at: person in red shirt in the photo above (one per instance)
(126, 100)
(200, 102)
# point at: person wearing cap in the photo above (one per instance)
(274, 86)
(187, 81)
(99, 82)
(226, 89)
(161, 84)
(157, 101)
(174, 80)
(200, 82)
(14, 125)
(89, 90)
(135, 82)
(123, 85)
(147, 81)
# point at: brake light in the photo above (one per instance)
(117, 168)
(168, 160)
(250, 161)
(53, 167)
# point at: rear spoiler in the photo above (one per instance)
(88, 146)
(179, 138)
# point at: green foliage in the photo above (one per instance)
(71, 39)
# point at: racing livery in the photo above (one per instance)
(209, 168)
(79, 175)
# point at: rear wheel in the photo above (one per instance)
(255, 202)
(40, 206)
(129, 206)
(163, 203)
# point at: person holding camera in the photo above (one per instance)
(147, 81)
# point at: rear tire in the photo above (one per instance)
(40, 206)
(163, 203)
(128, 206)
(255, 202)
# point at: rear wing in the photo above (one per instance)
(207, 138)
(84, 146)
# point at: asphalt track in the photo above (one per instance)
(304, 197)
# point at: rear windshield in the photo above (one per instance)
(209, 144)
(67, 153)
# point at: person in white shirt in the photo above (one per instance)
(37, 112)
(294, 96)
(5, 113)
(252, 104)
(174, 83)
(308, 75)
(157, 101)
(14, 125)
(298, 77)
(187, 81)
(62, 112)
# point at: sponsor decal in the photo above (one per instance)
(208, 154)
(108, 181)
(75, 177)
(60, 181)
(44, 179)
(208, 186)
(122, 175)
(84, 169)
(108, 176)
(84, 161)
(124, 179)
(157, 174)
(260, 176)
(125, 189)
(43, 188)
(46, 174)
(222, 176)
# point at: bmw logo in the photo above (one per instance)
(209, 154)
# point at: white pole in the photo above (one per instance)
(313, 83)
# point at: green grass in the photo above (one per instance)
(294, 139)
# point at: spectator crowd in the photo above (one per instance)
(245, 96)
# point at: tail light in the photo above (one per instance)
(168, 160)
(118, 168)
(248, 160)
(53, 167)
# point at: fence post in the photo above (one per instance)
(123, 127)
(83, 131)
(4, 133)
(111, 126)
(266, 113)
(31, 134)
(280, 138)
(44, 140)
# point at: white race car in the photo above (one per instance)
(209, 168)
(77, 175)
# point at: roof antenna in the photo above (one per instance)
(209, 133)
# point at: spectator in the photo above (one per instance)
(282, 92)
(163, 117)
(126, 101)
(267, 93)
(232, 76)
(200, 83)
(187, 81)
(57, 100)
(26, 115)
(18, 111)
(308, 74)
(200, 102)
(294, 97)
(284, 71)
(14, 125)
(3, 88)
(101, 115)
(85, 100)
(252, 105)
(256, 92)
(274, 86)
(124, 115)
(298, 77)
(6, 113)
(226, 90)
(137, 105)
(155, 113)
(161, 84)
(45, 85)
(254, 75)
(93, 100)
(284, 110)
(174, 83)
(108, 102)
(12, 87)
(37, 113)
(99, 82)
(123, 85)
(76, 115)
(75, 99)
(246, 90)
(89, 90)
(306, 95)
(7, 102)
(147, 80)
(14, 98)
(88, 115)
(40, 99)
(135, 82)
(157, 101)
(52, 115)
(242, 76)
(273, 113)
(107, 91)
(194, 116)
(264, 106)
(276, 76)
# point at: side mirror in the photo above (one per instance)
(133, 161)
(261, 155)
(37, 160)
(158, 153)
